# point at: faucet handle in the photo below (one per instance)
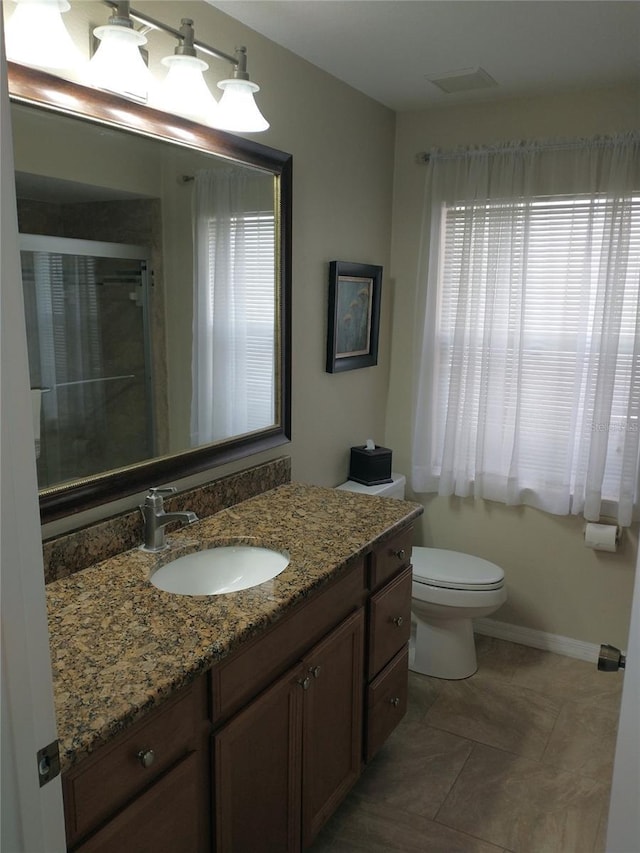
(155, 495)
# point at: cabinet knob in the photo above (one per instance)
(395, 701)
(400, 554)
(398, 620)
(305, 683)
(146, 757)
(315, 671)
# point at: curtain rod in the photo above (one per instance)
(424, 157)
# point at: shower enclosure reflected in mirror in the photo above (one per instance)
(156, 274)
(92, 396)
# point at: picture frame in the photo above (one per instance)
(354, 315)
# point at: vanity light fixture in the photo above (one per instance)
(184, 90)
(117, 64)
(36, 35)
(237, 110)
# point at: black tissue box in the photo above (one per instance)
(370, 467)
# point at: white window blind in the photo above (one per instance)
(235, 304)
(251, 288)
(524, 359)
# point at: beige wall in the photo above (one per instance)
(555, 583)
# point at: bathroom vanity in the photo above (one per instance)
(234, 722)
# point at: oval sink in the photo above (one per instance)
(225, 568)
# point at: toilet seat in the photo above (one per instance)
(446, 569)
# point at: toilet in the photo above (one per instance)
(449, 590)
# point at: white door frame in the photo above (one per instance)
(623, 831)
(32, 816)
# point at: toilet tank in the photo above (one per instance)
(394, 489)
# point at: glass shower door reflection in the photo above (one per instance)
(88, 340)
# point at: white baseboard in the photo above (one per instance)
(537, 639)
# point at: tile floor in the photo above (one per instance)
(516, 759)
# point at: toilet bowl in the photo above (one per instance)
(449, 590)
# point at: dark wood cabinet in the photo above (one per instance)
(240, 677)
(389, 629)
(389, 621)
(255, 755)
(164, 819)
(284, 762)
(159, 766)
(332, 723)
(386, 702)
(257, 773)
(389, 557)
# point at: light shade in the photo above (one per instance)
(117, 64)
(36, 35)
(184, 90)
(237, 109)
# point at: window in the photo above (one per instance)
(251, 285)
(529, 387)
(234, 327)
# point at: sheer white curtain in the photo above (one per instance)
(528, 365)
(234, 304)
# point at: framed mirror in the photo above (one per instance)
(156, 266)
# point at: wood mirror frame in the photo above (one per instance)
(44, 91)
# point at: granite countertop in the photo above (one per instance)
(119, 645)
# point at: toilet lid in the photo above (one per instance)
(454, 570)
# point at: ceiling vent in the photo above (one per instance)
(463, 80)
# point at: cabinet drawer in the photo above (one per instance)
(389, 621)
(391, 556)
(386, 702)
(164, 819)
(243, 675)
(113, 775)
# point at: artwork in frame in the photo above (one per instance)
(354, 315)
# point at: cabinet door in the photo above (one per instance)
(332, 727)
(164, 819)
(257, 773)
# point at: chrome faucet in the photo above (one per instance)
(156, 519)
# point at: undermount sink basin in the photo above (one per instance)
(225, 568)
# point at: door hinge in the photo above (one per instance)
(48, 759)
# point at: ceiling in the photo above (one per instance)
(388, 48)
(58, 191)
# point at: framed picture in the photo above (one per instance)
(354, 315)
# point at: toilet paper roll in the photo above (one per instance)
(602, 537)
